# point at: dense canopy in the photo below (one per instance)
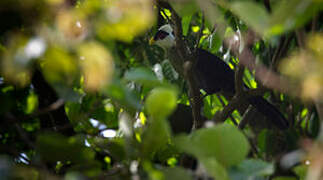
(84, 95)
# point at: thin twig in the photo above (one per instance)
(245, 118)
(52, 107)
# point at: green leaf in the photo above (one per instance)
(143, 76)
(254, 14)
(60, 69)
(120, 93)
(185, 7)
(154, 137)
(251, 169)
(214, 168)
(224, 142)
(301, 171)
(186, 20)
(161, 102)
(32, 103)
(290, 14)
(176, 173)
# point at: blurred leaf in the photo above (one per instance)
(176, 173)
(185, 7)
(97, 65)
(291, 14)
(251, 169)
(32, 103)
(59, 66)
(227, 139)
(254, 14)
(214, 168)
(143, 76)
(155, 137)
(15, 65)
(123, 19)
(61, 70)
(72, 26)
(214, 16)
(301, 171)
(120, 93)
(161, 102)
(304, 68)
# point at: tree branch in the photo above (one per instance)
(188, 60)
(238, 79)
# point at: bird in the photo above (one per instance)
(213, 75)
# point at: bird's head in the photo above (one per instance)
(164, 37)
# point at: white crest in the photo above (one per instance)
(168, 41)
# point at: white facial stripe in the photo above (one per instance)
(169, 40)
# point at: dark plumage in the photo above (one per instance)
(213, 75)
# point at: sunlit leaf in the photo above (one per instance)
(214, 168)
(97, 65)
(61, 70)
(305, 68)
(32, 102)
(59, 66)
(125, 19)
(186, 24)
(15, 64)
(72, 26)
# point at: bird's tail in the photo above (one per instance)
(270, 111)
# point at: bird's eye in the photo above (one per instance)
(161, 35)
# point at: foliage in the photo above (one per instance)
(83, 94)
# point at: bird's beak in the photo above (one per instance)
(151, 41)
